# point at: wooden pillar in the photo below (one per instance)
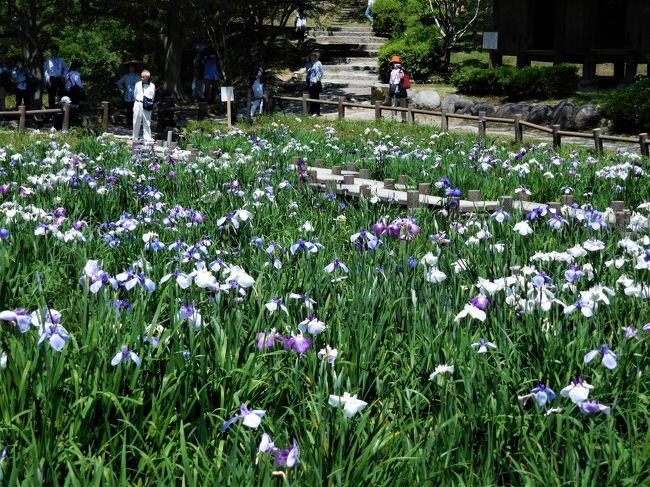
(643, 144)
(474, 195)
(523, 60)
(305, 107)
(598, 142)
(557, 139)
(66, 117)
(267, 108)
(619, 69)
(519, 135)
(341, 108)
(377, 109)
(412, 199)
(389, 183)
(589, 67)
(481, 124)
(444, 120)
(409, 114)
(23, 117)
(105, 116)
(249, 102)
(496, 59)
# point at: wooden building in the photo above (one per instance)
(586, 32)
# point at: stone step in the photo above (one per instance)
(342, 71)
(331, 53)
(349, 82)
(343, 31)
(378, 41)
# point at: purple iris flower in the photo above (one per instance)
(442, 183)
(453, 192)
(482, 345)
(250, 417)
(18, 316)
(365, 240)
(609, 358)
(55, 334)
(289, 457)
(124, 355)
(336, 264)
(299, 343)
(480, 301)
(303, 245)
(267, 340)
(592, 407)
(543, 394)
(574, 273)
(4, 234)
(536, 213)
(380, 226)
(556, 222)
(500, 215)
(404, 228)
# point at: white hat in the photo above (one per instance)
(66, 100)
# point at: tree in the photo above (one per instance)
(453, 18)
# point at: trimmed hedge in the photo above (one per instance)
(529, 82)
(629, 108)
(419, 48)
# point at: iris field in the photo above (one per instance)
(166, 320)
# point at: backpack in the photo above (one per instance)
(406, 81)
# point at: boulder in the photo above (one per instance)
(425, 99)
(509, 110)
(379, 93)
(540, 114)
(456, 104)
(587, 117)
(563, 115)
(483, 107)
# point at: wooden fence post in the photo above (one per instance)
(23, 117)
(519, 136)
(249, 102)
(389, 183)
(557, 139)
(377, 109)
(474, 195)
(409, 114)
(105, 117)
(481, 124)
(643, 143)
(305, 108)
(66, 117)
(412, 199)
(341, 108)
(267, 108)
(598, 142)
(444, 120)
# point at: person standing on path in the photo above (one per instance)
(141, 116)
(256, 82)
(19, 77)
(211, 74)
(369, 10)
(395, 88)
(127, 84)
(73, 86)
(301, 26)
(54, 70)
(314, 85)
(5, 79)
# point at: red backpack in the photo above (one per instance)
(406, 81)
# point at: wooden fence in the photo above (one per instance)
(409, 113)
(22, 113)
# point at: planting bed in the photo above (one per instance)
(212, 319)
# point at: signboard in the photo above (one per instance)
(224, 93)
(490, 40)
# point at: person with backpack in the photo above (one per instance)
(73, 86)
(256, 82)
(143, 94)
(398, 83)
(20, 77)
(54, 70)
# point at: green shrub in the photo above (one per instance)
(529, 82)
(389, 18)
(629, 108)
(419, 48)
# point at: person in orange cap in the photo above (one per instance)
(395, 89)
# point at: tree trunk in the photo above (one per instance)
(32, 49)
(173, 42)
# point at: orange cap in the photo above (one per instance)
(395, 59)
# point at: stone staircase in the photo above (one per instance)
(349, 56)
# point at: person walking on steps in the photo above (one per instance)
(301, 26)
(143, 93)
(54, 70)
(368, 13)
(314, 85)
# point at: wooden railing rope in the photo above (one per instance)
(482, 122)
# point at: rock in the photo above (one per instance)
(456, 103)
(587, 117)
(483, 107)
(379, 93)
(563, 114)
(509, 110)
(425, 99)
(540, 114)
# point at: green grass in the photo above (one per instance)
(70, 418)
